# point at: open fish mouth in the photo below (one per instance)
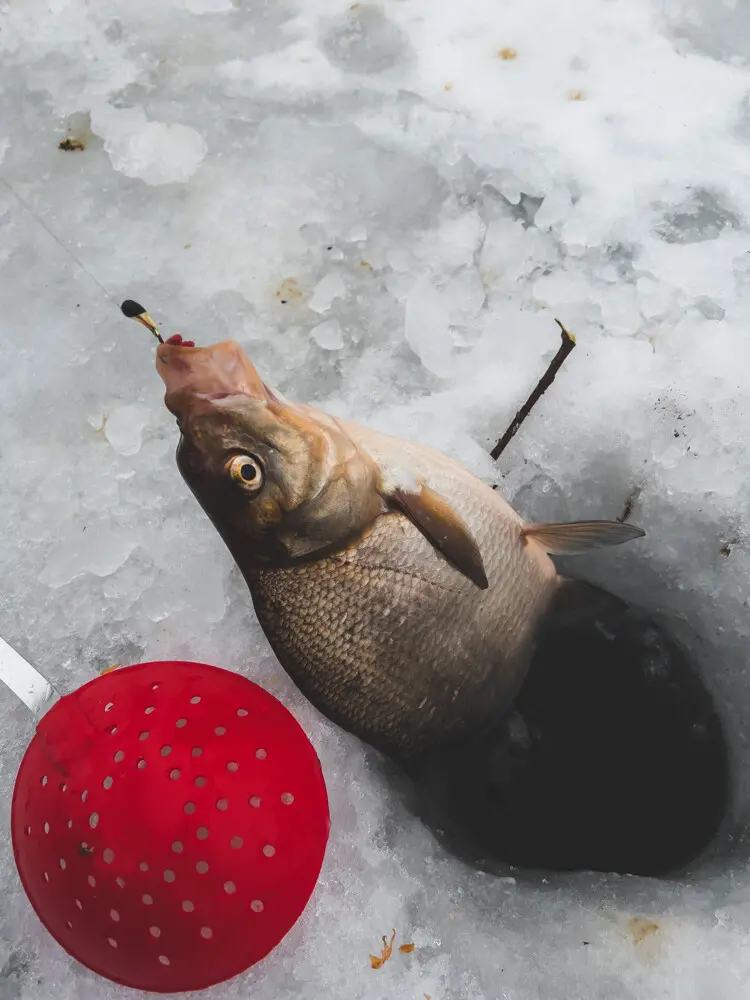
(213, 372)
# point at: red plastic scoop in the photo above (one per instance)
(169, 824)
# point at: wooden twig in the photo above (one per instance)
(630, 501)
(568, 343)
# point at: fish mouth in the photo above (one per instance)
(207, 373)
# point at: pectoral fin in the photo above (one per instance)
(581, 536)
(443, 528)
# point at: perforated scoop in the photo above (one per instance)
(169, 824)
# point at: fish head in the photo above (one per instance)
(281, 482)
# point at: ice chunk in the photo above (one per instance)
(357, 234)
(124, 428)
(364, 40)
(326, 291)
(435, 317)
(554, 210)
(156, 152)
(96, 548)
(328, 335)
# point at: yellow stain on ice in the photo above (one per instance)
(640, 929)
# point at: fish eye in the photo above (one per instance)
(246, 471)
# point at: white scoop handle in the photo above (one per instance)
(25, 681)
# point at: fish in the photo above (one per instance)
(401, 593)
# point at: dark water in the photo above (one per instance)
(613, 759)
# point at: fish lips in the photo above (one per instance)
(195, 376)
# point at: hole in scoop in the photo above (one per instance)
(120, 882)
(147, 899)
(202, 833)
(108, 782)
(63, 787)
(189, 808)
(79, 904)
(164, 960)
(181, 723)
(144, 735)
(27, 830)
(165, 750)
(149, 710)
(143, 866)
(63, 863)
(200, 781)
(45, 779)
(91, 881)
(287, 798)
(220, 730)
(222, 805)
(202, 867)
(114, 915)
(256, 906)
(119, 756)
(141, 763)
(233, 766)
(46, 827)
(108, 855)
(113, 730)
(196, 751)
(69, 925)
(84, 795)
(207, 933)
(109, 706)
(242, 712)
(230, 888)
(261, 754)
(94, 820)
(177, 847)
(188, 906)
(155, 687)
(175, 773)
(155, 932)
(236, 843)
(112, 942)
(195, 700)
(46, 876)
(269, 850)
(169, 875)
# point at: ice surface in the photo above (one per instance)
(464, 172)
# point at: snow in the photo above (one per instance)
(387, 204)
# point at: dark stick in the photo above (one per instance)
(630, 500)
(568, 343)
